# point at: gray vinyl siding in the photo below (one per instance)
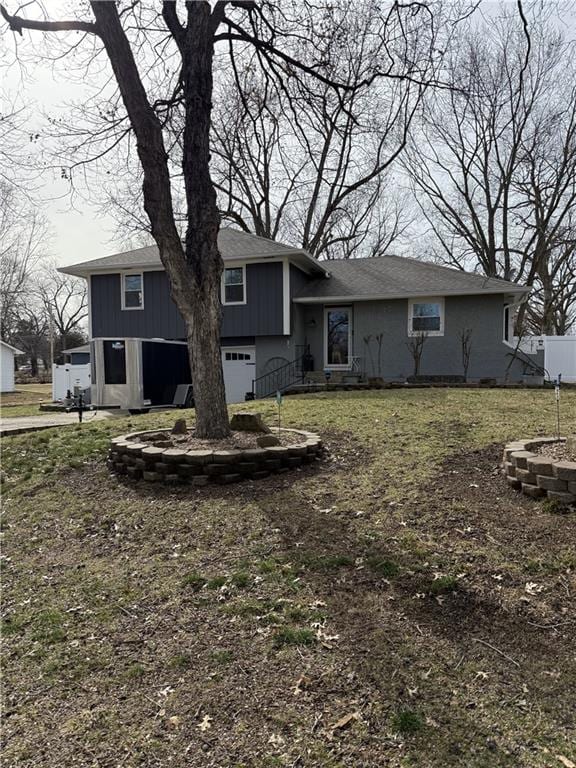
(261, 315)
(442, 355)
(298, 280)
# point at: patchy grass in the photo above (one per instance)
(382, 566)
(26, 394)
(443, 585)
(17, 411)
(293, 636)
(400, 579)
(407, 722)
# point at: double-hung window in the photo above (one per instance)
(426, 316)
(234, 285)
(132, 290)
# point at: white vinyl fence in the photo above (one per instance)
(559, 354)
(560, 357)
(66, 377)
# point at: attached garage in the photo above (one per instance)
(239, 366)
(7, 366)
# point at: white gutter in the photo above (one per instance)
(406, 295)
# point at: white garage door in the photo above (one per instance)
(239, 364)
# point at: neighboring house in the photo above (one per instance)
(280, 304)
(8, 353)
(77, 355)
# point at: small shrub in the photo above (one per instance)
(293, 636)
(407, 722)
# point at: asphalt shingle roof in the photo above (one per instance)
(397, 277)
(233, 244)
(382, 277)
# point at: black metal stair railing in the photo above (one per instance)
(280, 378)
(528, 364)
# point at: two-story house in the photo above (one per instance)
(355, 317)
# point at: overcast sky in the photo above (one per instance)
(78, 231)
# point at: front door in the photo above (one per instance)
(239, 366)
(338, 337)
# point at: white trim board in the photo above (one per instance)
(239, 265)
(286, 297)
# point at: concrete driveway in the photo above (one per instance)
(20, 424)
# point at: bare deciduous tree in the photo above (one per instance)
(416, 347)
(494, 168)
(466, 349)
(165, 66)
(63, 299)
(23, 234)
(313, 168)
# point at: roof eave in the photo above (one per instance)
(13, 349)
(84, 270)
(519, 291)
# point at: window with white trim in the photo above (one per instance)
(132, 290)
(426, 316)
(234, 285)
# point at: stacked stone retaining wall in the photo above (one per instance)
(131, 455)
(537, 475)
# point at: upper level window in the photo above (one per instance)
(234, 285)
(426, 316)
(133, 290)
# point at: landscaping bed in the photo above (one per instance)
(176, 459)
(541, 468)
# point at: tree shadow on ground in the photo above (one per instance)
(493, 674)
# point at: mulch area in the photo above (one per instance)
(559, 451)
(238, 440)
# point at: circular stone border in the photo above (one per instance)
(129, 455)
(537, 475)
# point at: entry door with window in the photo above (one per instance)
(238, 365)
(338, 337)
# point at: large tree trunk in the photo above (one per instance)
(194, 272)
(206, 362)
(203, 259)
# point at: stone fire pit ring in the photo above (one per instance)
(537, 475)
(130, 455)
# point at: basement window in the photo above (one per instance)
(234, 285)
(426, 316)
(132, 290)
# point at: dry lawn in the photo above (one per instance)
(396, 605)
